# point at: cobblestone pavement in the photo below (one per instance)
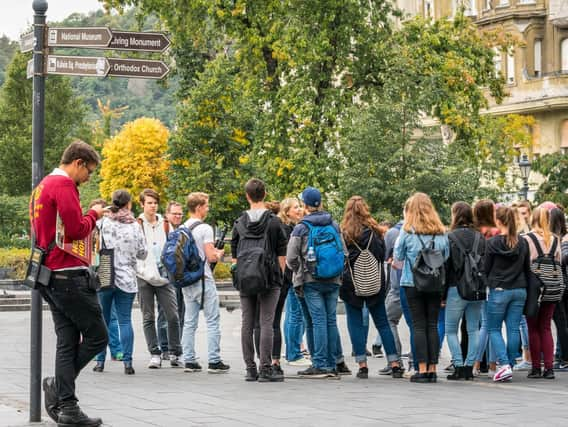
(170, 397)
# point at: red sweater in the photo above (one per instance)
(58, 194)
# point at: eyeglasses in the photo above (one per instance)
(176, 214)
(89, 171)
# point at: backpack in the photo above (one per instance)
(471, 284)
(366, 272)
(429, 271)
(548, 270)
(255, 262)
(180, 257)
(325, 258)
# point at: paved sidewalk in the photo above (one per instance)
(170, 397)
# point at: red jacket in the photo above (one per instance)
(57, 193)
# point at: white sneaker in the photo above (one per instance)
(155, 362)
(408, 373)
(175, 362)
(490, 373)
(302, 361)
(523, 365)
(504, 373)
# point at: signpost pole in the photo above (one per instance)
(39, 7)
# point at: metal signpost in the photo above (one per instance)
(41, 40)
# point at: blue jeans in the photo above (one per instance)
(455, 308)
(442, 325)
(113, 333)
(192, 299)
(293, 326)
(505, 305)
(123, 302)
(483, 343)
(359, 329)
(321, 300)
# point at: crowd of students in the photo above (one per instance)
(502, 244)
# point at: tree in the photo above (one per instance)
(7, 50)
(64, 114)
(135, 158)
(554, 167)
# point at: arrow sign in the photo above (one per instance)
(27, 42)
(89, 37)
(140, 68)
(148, 42)
(91, 66)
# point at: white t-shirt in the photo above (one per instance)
(202, 234)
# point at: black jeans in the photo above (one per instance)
(79, 326)
(561, 321)
(276, 326)
(425, 309)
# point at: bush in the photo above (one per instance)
(14, 221)
(15, 259)
(223, 271)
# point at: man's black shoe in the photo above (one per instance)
(252, 374)
(265, 374)
(397, 372)
(377, 351)
(218, 367)
(50, 400)
(277, 373)
(363, 373)
(72, 416)
(312, 372)
(342, 369)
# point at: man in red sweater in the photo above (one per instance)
(78, 322)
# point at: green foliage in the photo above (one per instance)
(16, 260)
(7, 50)
(554, 167)
(222, 271)
(14, 221)
(64, 113)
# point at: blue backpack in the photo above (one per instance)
(180, 257)
(325, 251)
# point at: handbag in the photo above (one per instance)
(105, 273)
(532, 303)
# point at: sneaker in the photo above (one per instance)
(265, 374)
(377, 351)
(387, 370)
(476, 372)
(302, 361)
(420, 378)
(305, 352)
(99, 367)
(560, 365)
(535, 373)
(450, 368)
(363, 373)
(523, 365)
(251, 375)
(117, 357)
(175, 362)
(128, 369)
(409, 374)
(504, 373)
(218, 368)
(458, 374)
(155, 362)
(192, 367)
(165, 355)
(312, 372)
(342, 369)
(397, 372)
(490, 373)
(277, 374)
(548, 374)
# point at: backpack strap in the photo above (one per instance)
(166, 226)
(421, 241)
(536, 244)
(195, 225)
(310, 228)
(553, 246)
(476, 241)
(103, 245)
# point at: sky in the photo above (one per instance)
(17, 15)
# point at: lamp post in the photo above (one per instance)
(525, 168)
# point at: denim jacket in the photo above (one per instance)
(407, 247)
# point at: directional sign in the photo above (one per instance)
(27, 42)
(93, 37)
(77, 65)
(139, 68)
(30, 69)
(149, 42)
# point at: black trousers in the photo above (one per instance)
(561, 321)
(79, 326)
(276, 326)
(424, 310)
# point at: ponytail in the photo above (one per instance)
(506, 216)
(541, 224)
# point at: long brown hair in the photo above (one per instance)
(462, 215)
(484, 213)
(356, 217)
(506, 216)
(540, 222)
(421, 216)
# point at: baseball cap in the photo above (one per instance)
(311, 197)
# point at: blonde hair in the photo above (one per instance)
(421, 216)
(196, 199)
(285, 206)
(540, 222)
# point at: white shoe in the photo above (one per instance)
(408, 373)
(504, 373)
(523, 365)
(155, 362)
(175, 362)
(302, 361)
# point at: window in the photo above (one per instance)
(498, 62)
(511, 67)
(564, 137)
(564, 56)
(429, 8)
(537, 57)
(488, 4)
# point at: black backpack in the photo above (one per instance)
(429, 271)
(471, 285)
(548, 270)
(255, 262)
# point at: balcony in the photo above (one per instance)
(558, 13)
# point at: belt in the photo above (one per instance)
(69, 274)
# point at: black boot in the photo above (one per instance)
(458, 374)
(72, 416)
(50, 399)
(468, 373)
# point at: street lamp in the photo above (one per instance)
(525, 168)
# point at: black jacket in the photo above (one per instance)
(347, 290)
(454, 264)
(507, 268)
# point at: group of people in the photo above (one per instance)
(292, 258)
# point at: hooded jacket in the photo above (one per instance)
(250, 224)
(507, 268)
(155, 236)
(298, 249)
